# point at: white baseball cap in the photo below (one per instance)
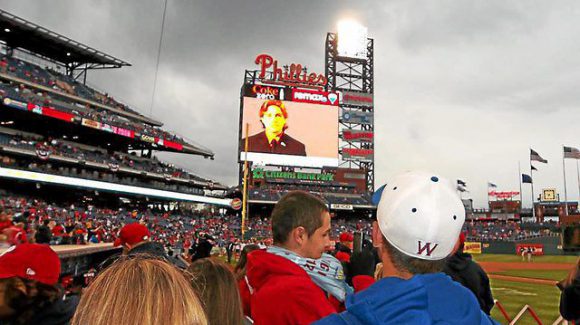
(421, 214)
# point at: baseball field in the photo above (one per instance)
(516, 283)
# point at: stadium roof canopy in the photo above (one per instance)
(20, 33)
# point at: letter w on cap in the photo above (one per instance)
(426, 247)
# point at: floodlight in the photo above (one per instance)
(352, 39)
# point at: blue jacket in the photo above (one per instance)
(423, 299)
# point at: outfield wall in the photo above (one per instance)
(550, 246)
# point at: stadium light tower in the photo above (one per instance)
(349, 69)
(352, 39)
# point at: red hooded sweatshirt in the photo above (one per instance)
(282, 292)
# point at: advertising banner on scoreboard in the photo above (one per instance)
(471, 247)
(259, 173)
(357, 154)
(534, 249)
(314, 97)
(356, 98)
(357, 135)
(289, 133)
(264, 91)
(356, 117)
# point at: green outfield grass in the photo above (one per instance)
(544, 299)
(555, 275)
(516, 258)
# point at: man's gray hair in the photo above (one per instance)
(411, 264)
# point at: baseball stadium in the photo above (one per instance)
(83, 173)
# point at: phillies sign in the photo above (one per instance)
(314, 97)
(294, 74)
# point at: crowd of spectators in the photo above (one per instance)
(178, 230)
(333, 195)
(501, 230)
(62, 147)
(62, 84)
(42, 151)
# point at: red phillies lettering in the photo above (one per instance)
(293, 74)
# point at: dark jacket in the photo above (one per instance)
(461, 268)
(59, 313)
(203, 250)
(43, 235)
(286, 146)
(570, 300)
(153, 249)
(423, 299)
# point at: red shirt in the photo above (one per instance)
(58, 231)
(283, 293)
(5, 224)
(16, 235)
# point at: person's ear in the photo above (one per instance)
(19, 285)
(456, 247)
(299, 235)
(377, 235)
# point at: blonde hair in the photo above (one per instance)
(140, 290)
(214, 282)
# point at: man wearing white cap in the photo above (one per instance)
(419, 218)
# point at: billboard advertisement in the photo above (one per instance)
(357, 135)
(533, 249)
(357, 154)
(291, 133)
(471, 247)
(357, 99)
(356, 117)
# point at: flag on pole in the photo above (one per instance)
(571, 152)
(526, 178)
(534, 156)
(460, 182)
(533, 168)
(491, 185)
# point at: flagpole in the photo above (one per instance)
(565, 189)
(245, 185)
(532, 185)
(520, 179)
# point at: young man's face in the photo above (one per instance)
(274, 119)
(316, 244)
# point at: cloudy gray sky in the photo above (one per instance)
(463, 88)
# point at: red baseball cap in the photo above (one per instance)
(132, 234)
(461, 238)
(346, 237)
(30, 261)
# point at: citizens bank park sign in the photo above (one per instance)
(259, 173)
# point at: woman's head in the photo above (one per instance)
(240, 269)
(140, 290)
(214, 282)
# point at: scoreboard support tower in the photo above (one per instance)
(354, 75)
